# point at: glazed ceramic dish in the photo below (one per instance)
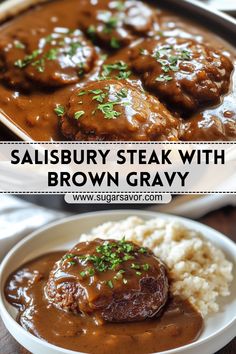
(219, 328)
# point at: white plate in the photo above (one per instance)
(219, 329)
(223, 5)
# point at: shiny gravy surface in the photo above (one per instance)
(179, 323)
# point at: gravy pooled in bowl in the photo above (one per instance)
(56, 50)
(102, 297)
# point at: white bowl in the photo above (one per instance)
(220, 328)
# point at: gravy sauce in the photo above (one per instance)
(34, 112)
(179, 323)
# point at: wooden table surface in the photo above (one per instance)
(223, 220)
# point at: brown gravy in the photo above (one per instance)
(34, 112)
(178, 325)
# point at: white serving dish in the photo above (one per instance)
(219, 328)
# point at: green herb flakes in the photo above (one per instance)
(59, 110)
(19, 45)
(115, 44)
(169, 59)
(108, 110)
(119, 5)
(119, 66)
(79, 114)
(91, 31)
(82, 93)
(164, 78)
(110, 284)
(146, 266)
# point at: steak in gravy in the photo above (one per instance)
(53, 59)
(115, 24)
(113, 281)
(97, 110)
(187, 75)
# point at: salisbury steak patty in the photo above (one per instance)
(52, 59)
(186, 74)
(116, 110)
(116, 23)
(114, 281)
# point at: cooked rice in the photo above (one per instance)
(199, 271)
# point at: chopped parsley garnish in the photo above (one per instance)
(73, 48)
(22, 63)
(119, 66)
(91, 31)
(71, 258)
(82, 93)
(146, 267)
(52, 54)
(96, 92)
(185, 55)
(109, 256)
(79, 114)
(110, 284)
(100, 97)
(40, 65)
(65, 43)
(49, 38)
(144, 51)
(143, 250)
(106, 106)
(81, 70)
(163, 78)
(127, 257)
(135, 266)
(169, 58)
(115, 44)
(119, 5)
(59, 110)
(110, 24)
(108, 110)
(19, 45)
(68, 256)
(123, 93)
(119, 275)
(91, 272)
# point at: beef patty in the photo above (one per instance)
(114, 281)
(52, 59)
(185, 74)
(116, 23)
(116, 110)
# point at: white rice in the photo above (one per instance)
(199, 271)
